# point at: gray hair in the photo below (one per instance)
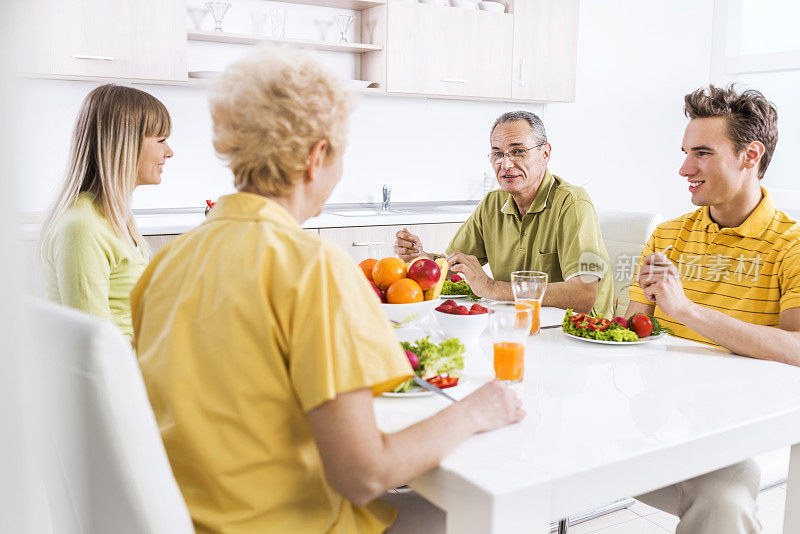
(531, 118)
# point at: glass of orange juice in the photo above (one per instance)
(529, 288)
(509, 325)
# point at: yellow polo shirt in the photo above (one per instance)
(559, 235)
(751, 272)
(242, 326)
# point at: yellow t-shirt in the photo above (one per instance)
(88, 266)
(244, 325)
(751, 272)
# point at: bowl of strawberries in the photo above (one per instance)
(460, 321)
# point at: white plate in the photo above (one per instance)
(417, 391)
(604, 342)
(445, 297)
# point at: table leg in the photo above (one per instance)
(791, 518)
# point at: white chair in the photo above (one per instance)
(104, 467)
(625, 234)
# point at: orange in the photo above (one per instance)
(388, 271)
(367, 266)
(404, 291)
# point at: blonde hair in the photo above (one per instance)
(104, 157)
(269, 109)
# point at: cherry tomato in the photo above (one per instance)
(622, 321)
(642, 325)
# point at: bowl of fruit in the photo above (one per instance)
(407, 291)
(460, 321)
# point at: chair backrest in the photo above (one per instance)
(625, 234)
(103, 464)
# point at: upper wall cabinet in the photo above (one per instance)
(527, 53)
(135, 39)
(440, 50)
(545, 50)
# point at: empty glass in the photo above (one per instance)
(218, 10)
(344, 22)
(509, 325)
(278, 16)
(529, 288)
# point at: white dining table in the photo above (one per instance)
(603, 423)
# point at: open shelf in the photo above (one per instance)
(243, 38)
(356, 5)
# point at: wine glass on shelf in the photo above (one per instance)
(344, 22)
(218, 10)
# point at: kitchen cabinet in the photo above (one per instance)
(456, 52)
(157, 241)
(354, 239)
(545, 50)
(131, 39)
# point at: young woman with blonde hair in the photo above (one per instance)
(91, 250)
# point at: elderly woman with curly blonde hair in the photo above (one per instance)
(262, 345)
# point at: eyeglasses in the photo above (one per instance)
(515, 154)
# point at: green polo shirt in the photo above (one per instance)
(559, 235)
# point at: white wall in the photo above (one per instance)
(425, 149)
(621, 137)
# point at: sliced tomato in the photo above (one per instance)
(443, 382)
(600, 325)
(577, 317)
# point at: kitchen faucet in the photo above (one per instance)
(387, 192)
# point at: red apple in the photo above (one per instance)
(381, 294)
(425, 272)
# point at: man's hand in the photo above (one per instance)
(408, 246)
(470, 267)
(661, 284)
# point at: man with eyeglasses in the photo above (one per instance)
(536, 221)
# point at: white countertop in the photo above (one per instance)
(183, 222)
(179, 223)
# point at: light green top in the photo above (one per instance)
(88, 267)
(559, 235)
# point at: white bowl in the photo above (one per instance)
(495, 7)
(402, 314)
(467, 328)
(464, 4)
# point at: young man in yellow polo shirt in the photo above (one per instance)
(535, 221)
(731, 277)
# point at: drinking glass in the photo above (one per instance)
(529, 288)
(278, 16)
(509, 325)
(218, 10)
(344, 22)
